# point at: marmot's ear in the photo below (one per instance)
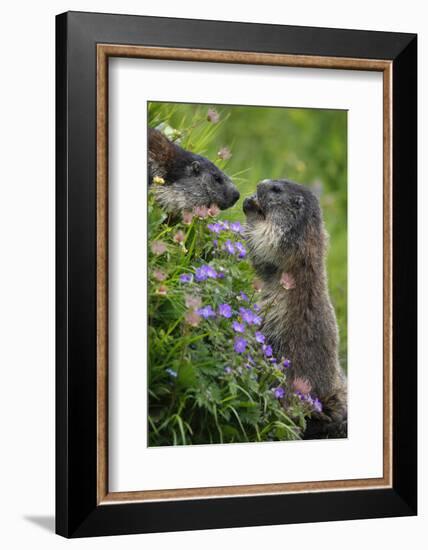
(196, 167)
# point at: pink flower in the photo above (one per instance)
(213, 210)
(200, 212)
(224, 153)
(159, 275)
(187, 217)
(287, 281)
(192, 318)
(162, 290)
(179, 237)
(213, 116)
(192, 302)
(158, 248)
(302, 385)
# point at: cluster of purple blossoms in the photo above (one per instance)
(225, 310)
(279, 392)
(260, 337)
(314, 402)
(249, 316)
(215, 227)
(185, 278)
(240, 344)
(229, 247)
(238, 327)
(267, 350)
(242, 252)
(206, 312)
(235, 248)
(224, 225)
(205, 272)
(236, 227)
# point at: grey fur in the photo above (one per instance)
(190, 180)
(285, 234)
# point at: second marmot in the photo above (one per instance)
(191, 180)
(286, 242)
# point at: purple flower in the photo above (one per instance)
(279, 392)
(240, 344)
(228, 246)
(260, 338)
(241, 249)
(171, 373)
(316, 403)
(238, 327)
(224, 224)
(249, 317)
(186, 278)
(286, 363)
(221, 275)
(206, 312)
(256, 307)
(236, 227)
(267, 350)
(214, 227)
(215, 243)
(200, 274)
(225, 310)
(205, 272)
(244, 297)
(227, 370)
(210, 271)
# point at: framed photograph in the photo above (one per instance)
(236, 274)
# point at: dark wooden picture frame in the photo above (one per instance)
(84, 43)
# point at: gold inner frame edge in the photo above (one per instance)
(104, 51)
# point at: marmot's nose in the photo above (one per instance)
(235, 195)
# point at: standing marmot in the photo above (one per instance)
(286, 242)
(190, 180)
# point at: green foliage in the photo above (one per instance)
(203, 388)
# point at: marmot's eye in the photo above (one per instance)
(276, 189)
(217, 178)
(196, 167)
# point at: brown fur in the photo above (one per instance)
(285, 234)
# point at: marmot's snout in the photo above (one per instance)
(231, 196)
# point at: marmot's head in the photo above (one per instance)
(190, 180)
(284, 226)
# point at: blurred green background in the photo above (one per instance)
(308, 146)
